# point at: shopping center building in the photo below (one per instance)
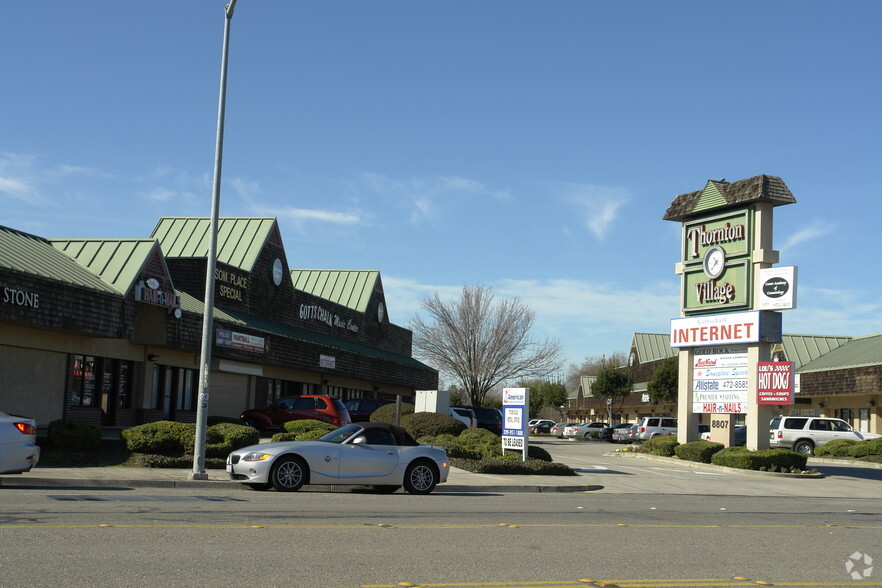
(109, 331)
(838, 377)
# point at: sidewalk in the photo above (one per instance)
(458, 481)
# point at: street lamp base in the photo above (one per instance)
(198, 476)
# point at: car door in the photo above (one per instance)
(821, 431)
(376, 457)
(280, 411)
(839, 429)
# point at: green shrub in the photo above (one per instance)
(536, 452)
(420, 424)
(223, 438)
(661, 445)
(836, 448)
(481, 442)
(173, 439)
(700, 451)
(74, 435)
(386, 413)
(160, 438)
(771, 459)
(304, 429)
(452, 446)
(513, 466)
(279, 437)
(863, 449)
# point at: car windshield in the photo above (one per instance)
(340, 435)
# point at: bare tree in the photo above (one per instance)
(480, 344)
(590, 366)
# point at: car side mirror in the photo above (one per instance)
(360, 440)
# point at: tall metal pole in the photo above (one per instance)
(198, 472)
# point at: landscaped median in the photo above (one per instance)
(167, 444)
(709, 455)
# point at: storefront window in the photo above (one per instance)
(95, 381)
(123, 397)
(83, 381)
(173, 387)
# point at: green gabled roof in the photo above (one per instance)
(239, 240)
(193, 305)
(804, 349)
(349, 288)
(117, 262)
(863, 351)
(653, 346)
(36, 256)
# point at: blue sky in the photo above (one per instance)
(528, 146)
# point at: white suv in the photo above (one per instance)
(803, 434)
(650, 427)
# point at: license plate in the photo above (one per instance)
(229, 468)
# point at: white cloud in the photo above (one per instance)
(15, 188)
(598, 205)
(813, 231)
(424, 196)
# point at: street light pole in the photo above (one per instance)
(198, 472)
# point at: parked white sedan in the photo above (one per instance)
(376, 454)
(19, 451)
(583, 430)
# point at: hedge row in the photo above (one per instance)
(772, 460)
(870, 450)
(172, 439)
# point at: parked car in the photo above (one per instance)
(532, 423)
(558, 429)
(376, 454)
(543, 427)
(19, 451)
(488, 418)
(650, 427)
(803, 434)
(465, 415)
(739, 435)
(291, 408)
(584, 430)
(361, 409)
(606, 433)
(626, 434)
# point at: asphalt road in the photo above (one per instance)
(650, 525)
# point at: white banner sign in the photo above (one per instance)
(719, 380)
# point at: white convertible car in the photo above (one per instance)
(376, 454)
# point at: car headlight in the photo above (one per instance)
(255, 456)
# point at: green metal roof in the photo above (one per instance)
(800, 349)
(863, 351)
(36, 256)
(239, 240)
(653, 346)
(117, 262)
(193, 305)
(804, 349)
(349, 288)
